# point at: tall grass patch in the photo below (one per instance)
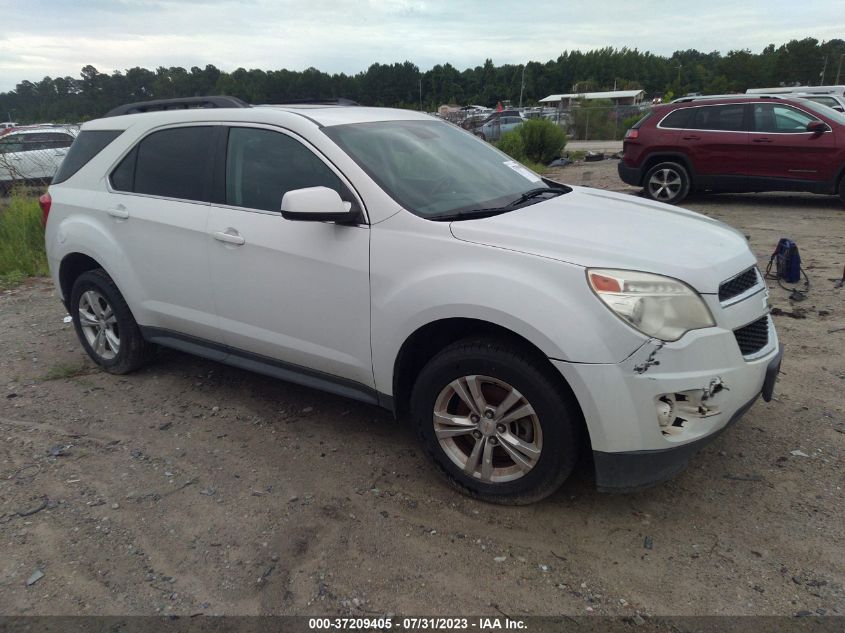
(21, 240)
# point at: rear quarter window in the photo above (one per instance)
(679, 119)
(87, 145)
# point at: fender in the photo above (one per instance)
(545, 301)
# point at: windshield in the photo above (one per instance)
(825, 111)
(433, 168)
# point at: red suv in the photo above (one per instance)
(737, 144)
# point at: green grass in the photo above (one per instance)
(65, 370)
(21, 240)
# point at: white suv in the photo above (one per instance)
(398, 260)
(32, 154)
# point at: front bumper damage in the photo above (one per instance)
(648, 415)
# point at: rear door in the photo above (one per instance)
(157, 210)
(716, 141)
(783, 150)
(291, 291)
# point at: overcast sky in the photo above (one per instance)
(59, 37)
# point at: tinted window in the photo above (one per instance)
(769, 117)
(86, 146)
(123, 176)
(728, 118)
(173, 163)
(262, 165)
(679, 119)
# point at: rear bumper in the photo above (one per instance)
(636, 470)
(629, 175)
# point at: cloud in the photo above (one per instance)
(59, 37)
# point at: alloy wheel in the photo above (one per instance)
(487, 428)
(665, 184)
(99, 324)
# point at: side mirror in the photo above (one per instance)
(316, 204)
(816, 127)
(838, 108)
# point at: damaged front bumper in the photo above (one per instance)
(649, 414)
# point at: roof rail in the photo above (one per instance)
(744, 96)
(340, 101)
(182, 103)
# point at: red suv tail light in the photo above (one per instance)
(632, 134)
(45, 201)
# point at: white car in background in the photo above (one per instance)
(32, 154)
(393, 258)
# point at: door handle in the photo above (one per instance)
(229, 236)
(691, 138)
(762, 140)
(118, 212)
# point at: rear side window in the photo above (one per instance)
(171, 163)
(262, 165)
(679, 119)
(87, 145)
(723, 118)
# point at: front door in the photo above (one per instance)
(293, 292)
(782, 149)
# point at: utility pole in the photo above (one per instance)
(420, 93)
(522, 85)
(679, 75)
(824, 69)
(841, 57)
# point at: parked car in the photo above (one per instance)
(396, 259)
(32, 154)
(739, 143)
(494, 128)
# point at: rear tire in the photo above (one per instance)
(517, 442)
(105, 325)
(666, 182)
(842, 189)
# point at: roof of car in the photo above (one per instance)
(321, 115)
(36, 129)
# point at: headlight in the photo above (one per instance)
(657, 306)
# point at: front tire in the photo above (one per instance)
(666, 182)
(495, 421)
(105, 325)
(842, 189)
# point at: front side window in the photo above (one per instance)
(171, 163)
(782, 119)
(262, 165)
(722, 118)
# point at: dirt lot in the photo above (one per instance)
(191, 487)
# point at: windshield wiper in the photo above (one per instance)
(470, 214)
(473, 214)
(536, 193)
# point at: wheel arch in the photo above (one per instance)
(424, 343)
(70, 268)
(661, 157)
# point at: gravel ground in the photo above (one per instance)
(191, 487)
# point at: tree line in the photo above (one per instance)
(93, 93)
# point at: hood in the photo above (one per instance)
(600, 229)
